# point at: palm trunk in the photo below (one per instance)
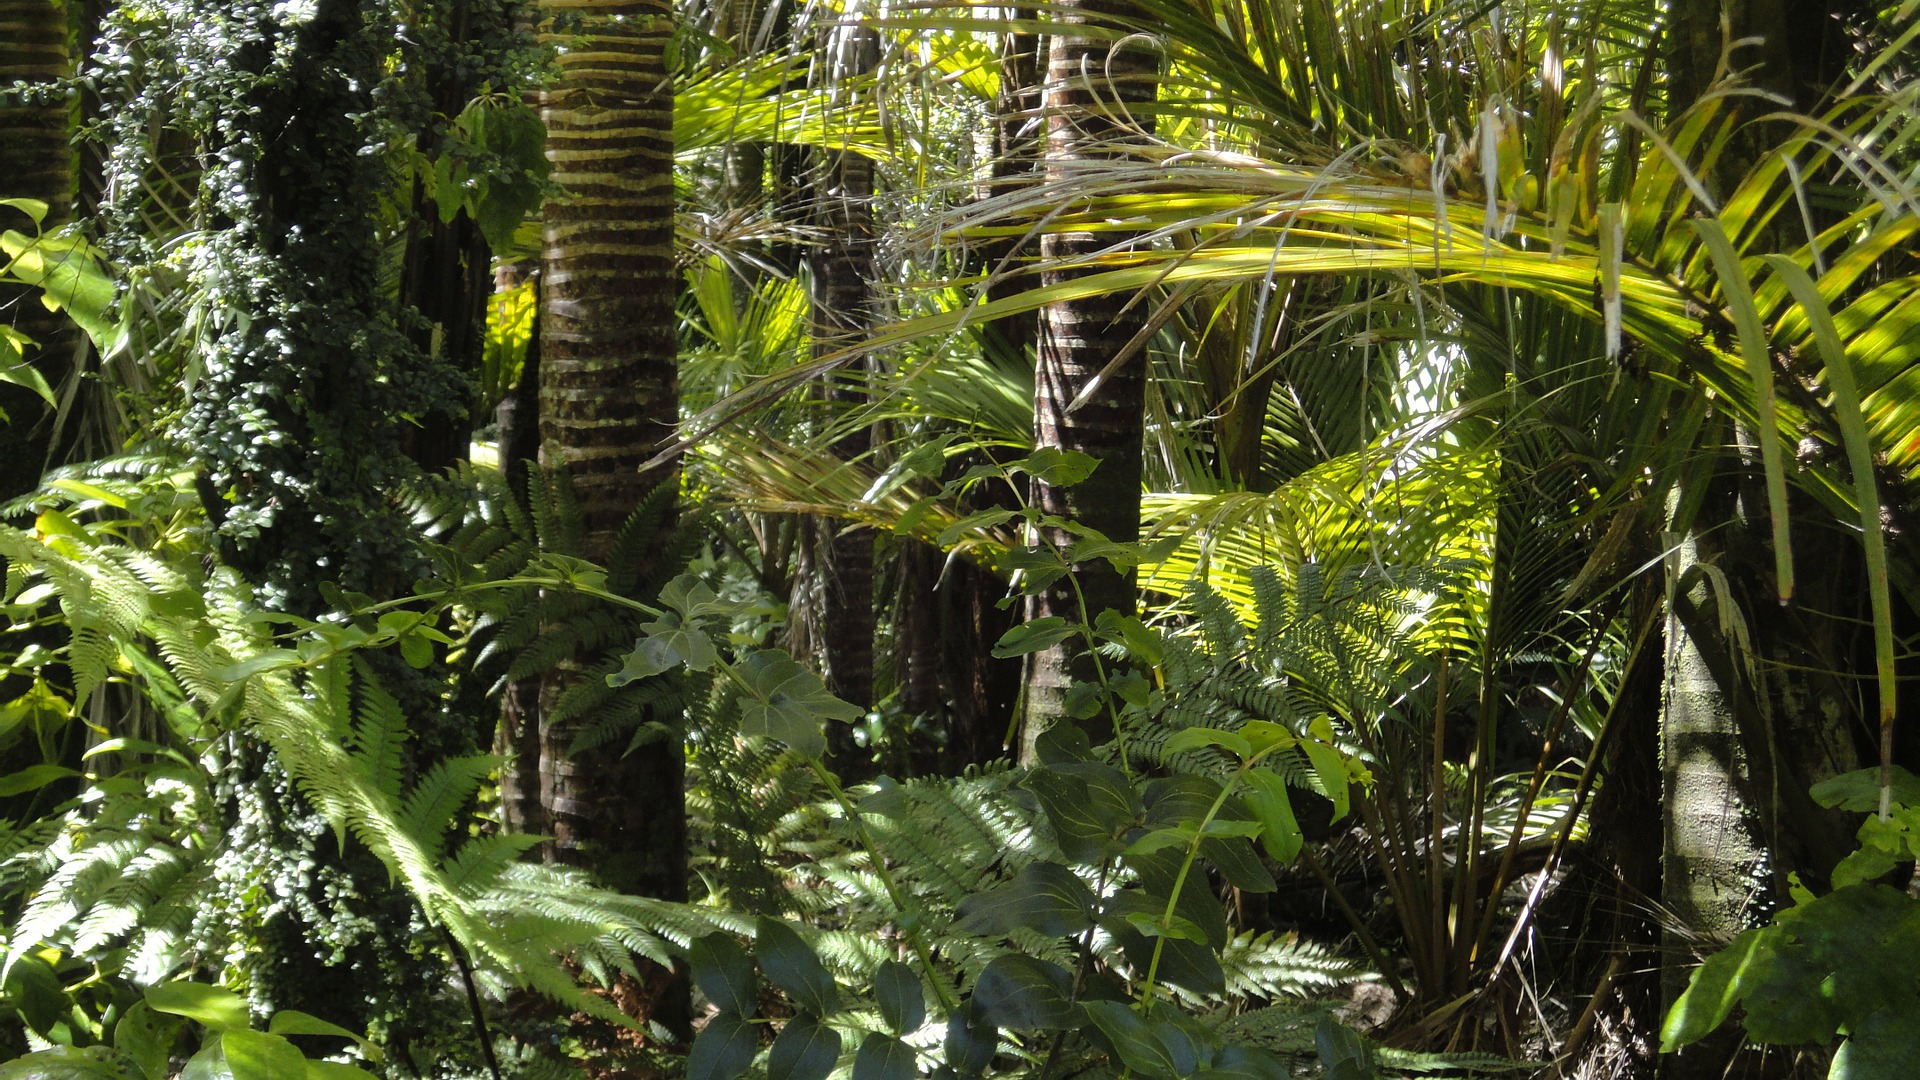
(608, 399)
(1091, 83)
(840, 272)
(36, 160)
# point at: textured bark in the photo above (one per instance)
(36, 160)
(1714, 858)
(1090, 85)
(608, 393)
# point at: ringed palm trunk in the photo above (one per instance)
(36, 161)
(609, 396)
(1091, 84)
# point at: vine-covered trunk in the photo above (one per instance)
(1087, 348)
(36, 162)
(609, 398)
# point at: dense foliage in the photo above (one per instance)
(1499, 674)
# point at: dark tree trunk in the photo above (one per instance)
(1091, 82)
(36, 160)
(840, 276)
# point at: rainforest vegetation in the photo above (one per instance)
(1090, 538)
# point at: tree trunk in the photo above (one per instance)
(1714, 857)
(1091, 83)
(609, 398)
(840, 271)
(36, 160)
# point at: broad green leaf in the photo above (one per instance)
(903, 1006)
(1195, 738)
(23, 374)
(1227, 827)
(65, 1063)
(1063, 744)
(256, 1055)
(1033, 636)
(37, 992)
(1330, 765)
(1236, 860)
(267, 660)
(791, 964)
(883, 1057)
(971, 1039)
(33, 208)
(1133, 1043)
(1157, 874)
(1019, 991)
(1265, 735)
(723, 1050)
(1714, 989)
(1859, 790)
(1182, 963)
(209, 1064)
(1161, 924)
(1059, 468)
(1161, 839)
(295, 1022)
(209, 1006)
(1044, 897)
(1182, 1036)
(1087, 805)
(788, 703)
(972, 523)
(32, 778)
(668, 644)
(806, 1049)
(1268, 799)
(723, 972)
(1884, 1046)
(1343, 1054)
(147, 1038)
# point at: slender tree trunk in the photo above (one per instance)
(609, 398)
(522, 809)
(36, 162)
(840, 276)
(1091, 84)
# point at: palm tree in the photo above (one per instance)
(1089, 369)
(841, 269)
(1544, 282)
(609, 397)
